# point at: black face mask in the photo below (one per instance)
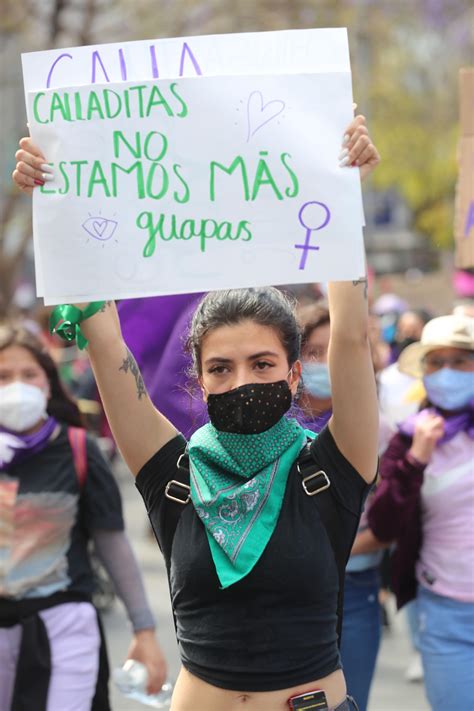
(250, 409)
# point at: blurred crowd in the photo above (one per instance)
(419, 435)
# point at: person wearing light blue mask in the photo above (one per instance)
(315, 400)
(425, 502)
(316, 379)
(449, 386)
(444, 358)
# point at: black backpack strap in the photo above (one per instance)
(178, 489)
(178, 495)
(317, 484)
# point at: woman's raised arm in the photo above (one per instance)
(138, 427)
(354, 423)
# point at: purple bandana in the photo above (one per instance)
(315, 423)
(16, 447)
(462, 420)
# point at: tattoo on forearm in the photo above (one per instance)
(362, 280)
(104, 306)
(130, 364)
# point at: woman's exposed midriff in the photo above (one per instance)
(193, 694)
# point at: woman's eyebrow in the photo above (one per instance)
(254, 356)
(217, 359)
(262, 354)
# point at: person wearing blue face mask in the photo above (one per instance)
(315, 401)
(425, 503)
(361, 623)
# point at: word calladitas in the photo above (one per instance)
(105, 104)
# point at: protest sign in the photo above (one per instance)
(284, 52)
(170, 187)
(297, 51)
(464, 206)
(292, 51)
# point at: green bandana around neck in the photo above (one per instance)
(237, 487)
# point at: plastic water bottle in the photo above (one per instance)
(132, 679)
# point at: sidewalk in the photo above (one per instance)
(390, 692)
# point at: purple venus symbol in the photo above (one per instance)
(310, 218)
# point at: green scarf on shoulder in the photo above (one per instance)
(237, 487)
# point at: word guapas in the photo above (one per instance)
(168, 228)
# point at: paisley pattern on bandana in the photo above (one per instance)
(237, 488)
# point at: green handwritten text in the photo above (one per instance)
(168, 228)
(272, 179)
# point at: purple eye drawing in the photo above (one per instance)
(100, 228)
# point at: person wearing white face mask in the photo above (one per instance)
(22, 406)
(425, 503)
(56, 493)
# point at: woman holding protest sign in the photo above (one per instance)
(57, 494)
(256, 524)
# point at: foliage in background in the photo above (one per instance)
(405, 56)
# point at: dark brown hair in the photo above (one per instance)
(310, 317)
(266, 306)
(60, 404)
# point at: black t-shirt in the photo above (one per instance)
(48, 519)
(275, 628)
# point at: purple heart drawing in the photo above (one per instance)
(100, 228)
(259, 114)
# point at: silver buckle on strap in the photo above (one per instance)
(180, 485)
(325, 485)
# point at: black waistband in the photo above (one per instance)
(13, 612)
(33, 669)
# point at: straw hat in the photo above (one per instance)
(443, 332)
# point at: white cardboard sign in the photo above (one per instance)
(197, 184)
(287, 52)
(284, 52)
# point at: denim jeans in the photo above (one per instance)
(360, 633)
(446, 629)
(411, 613)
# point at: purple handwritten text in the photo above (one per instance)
(259, 114)
(102, 71)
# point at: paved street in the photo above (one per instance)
(390, 692)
